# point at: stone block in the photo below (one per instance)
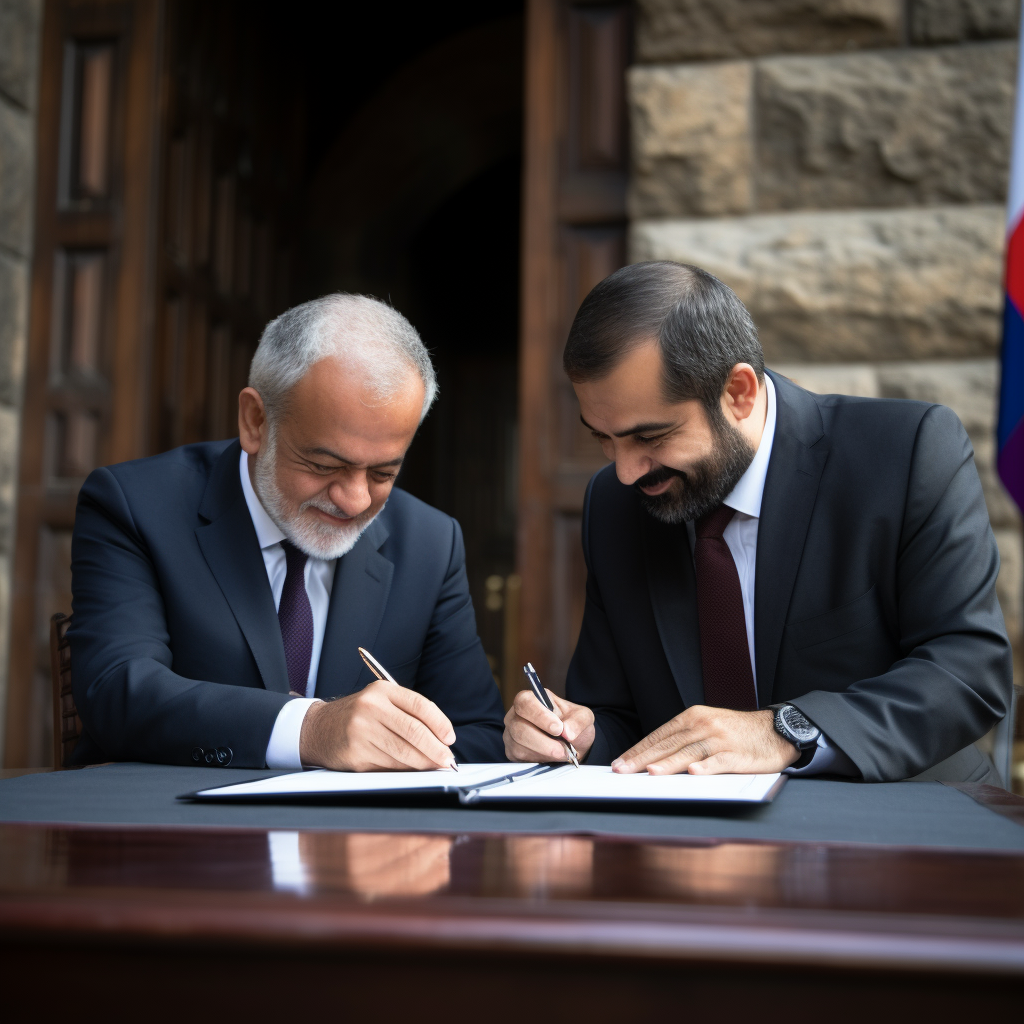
(13, 318)
(669, 30)
(1001, 509)
(5, 632)
(853, 286)
(968, 387)
(1010, 585)
(16, 162)
(885, 129)
(957, 21)
(691, 139)
(19, 49)
(9, 434)
(859, 380)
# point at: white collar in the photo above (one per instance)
(747, 494)
(267, 532)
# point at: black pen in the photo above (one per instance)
(384, 675)
(542, 695)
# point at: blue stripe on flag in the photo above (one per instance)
(1011, 391)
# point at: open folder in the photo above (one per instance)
(493, 784)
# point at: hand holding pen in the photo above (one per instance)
(382, 727)
(385, 676)
(541, 726)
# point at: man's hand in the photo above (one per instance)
(711, 741)
(382, 727)
(531, 731)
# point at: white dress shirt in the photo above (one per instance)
(283, 748)
(741, 537)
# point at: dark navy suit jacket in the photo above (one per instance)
(175, 643)
(875, 600)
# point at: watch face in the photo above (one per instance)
(798, 724)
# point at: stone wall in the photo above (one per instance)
(843, 165)
(19, 50)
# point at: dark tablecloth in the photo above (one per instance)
(821, 810)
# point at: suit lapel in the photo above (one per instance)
(362, 582)
(799, 452)
(229, 545)
(673, 589)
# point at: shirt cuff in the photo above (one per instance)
(283, 748)
(826, 759)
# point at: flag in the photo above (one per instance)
(1010, 426)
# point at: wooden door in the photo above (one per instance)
(90, 323)
(574, 234)
(167, 161)
(232, 159)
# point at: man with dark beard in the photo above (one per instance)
(776, 580)
(221, 590)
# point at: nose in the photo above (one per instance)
(350, 493)
(630, 467)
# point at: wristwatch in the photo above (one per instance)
(793, 725)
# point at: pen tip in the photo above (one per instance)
(455, 767)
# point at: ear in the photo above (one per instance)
(252, 420)
(740, 395)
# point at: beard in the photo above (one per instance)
(702, 487)
(310, 535)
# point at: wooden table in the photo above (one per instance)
(176, 923)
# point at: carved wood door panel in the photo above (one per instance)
(167, 158)
(89, 326)
(574, 234)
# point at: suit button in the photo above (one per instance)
(211, 757)
(224, 756)
(197, 754)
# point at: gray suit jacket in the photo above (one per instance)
(875, 604)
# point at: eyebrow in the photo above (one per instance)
(348, 462)
(640, 428)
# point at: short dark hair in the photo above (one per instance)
(700, 324)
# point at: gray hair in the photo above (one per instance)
(357, 329)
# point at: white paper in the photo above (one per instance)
(599, 782)
(320, 781)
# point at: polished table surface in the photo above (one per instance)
(920, 923)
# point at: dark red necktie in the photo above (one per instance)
(724, 655)
(296, 617)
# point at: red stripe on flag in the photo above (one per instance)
(1015, 266)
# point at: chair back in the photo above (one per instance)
(67, 726)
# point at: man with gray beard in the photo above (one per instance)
(221, 590)
(776, 580)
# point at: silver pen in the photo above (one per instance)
(383, 674)
(542, 695)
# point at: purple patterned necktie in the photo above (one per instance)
(724, 654)
(296, 618)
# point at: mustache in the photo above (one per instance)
(324, 506)
(659, 476)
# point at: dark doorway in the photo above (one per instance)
(414, 156)
(465, 300)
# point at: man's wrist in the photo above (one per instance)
(284, 745)
(787, 752)
(309, 738)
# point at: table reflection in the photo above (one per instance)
(366, 864)
(728, 872)
(548, 866)
(535, 868)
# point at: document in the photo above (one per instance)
(493, 784)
